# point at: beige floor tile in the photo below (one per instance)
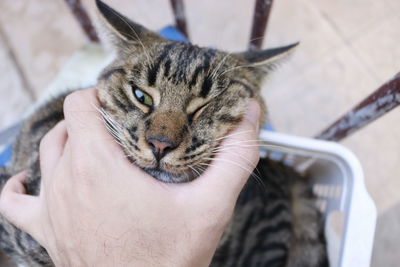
(352, 18)
(378, 148)
(222, 24)
(377, 49)
(394, 5)
(386, 249)
(42, 36)
(298, 20)
(13, 98)
(306, 105)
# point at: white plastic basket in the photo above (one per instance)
(338, 182)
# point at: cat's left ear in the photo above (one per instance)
(121, 31)
(268, 58)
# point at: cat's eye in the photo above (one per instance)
(143, 97)
(194, 115)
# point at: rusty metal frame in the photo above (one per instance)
(178, 9)
(83, 19)
(383, 100)
(262, 10)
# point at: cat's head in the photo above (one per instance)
(170, 103)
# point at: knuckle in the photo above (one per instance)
(4, 203)
(44, 142)
(74, 99)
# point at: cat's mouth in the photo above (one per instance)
(160, 173)
(169, 177)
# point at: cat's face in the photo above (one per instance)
(169, 104)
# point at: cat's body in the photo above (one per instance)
(167, 103)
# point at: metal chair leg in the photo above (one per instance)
(180, 17)
(260, 20)
(384, 99)
(83, 18)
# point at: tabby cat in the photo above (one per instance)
(165, 101)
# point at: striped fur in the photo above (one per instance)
(194, 97)
(267, 228)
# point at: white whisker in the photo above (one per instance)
(252, 174)
(238, 67)
(231, 162)
(194, 170)
(220, 65)
(219, 149)
(229, 135)
(256, 176)
(113, 127)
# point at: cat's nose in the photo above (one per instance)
(160, 146)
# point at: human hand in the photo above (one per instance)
(95, 208)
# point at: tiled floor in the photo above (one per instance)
(348, 48)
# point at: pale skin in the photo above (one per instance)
(97, 209)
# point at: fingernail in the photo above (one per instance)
(253, 113)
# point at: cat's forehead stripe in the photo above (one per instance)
(185, 55)
(167, 66)
(152, 74)
(153, 69)
(110, 72)
(188, 56)
(206, 86)
(201, 68)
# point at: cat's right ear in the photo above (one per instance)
(267, 59)
(120, 31)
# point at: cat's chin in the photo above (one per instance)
(169, 177)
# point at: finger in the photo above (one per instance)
(237, 158)
(18, 208)
(51, 148)
(85, 124)
(18, 186)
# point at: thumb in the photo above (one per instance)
(236, 160)
(17, 207)
(85, 123)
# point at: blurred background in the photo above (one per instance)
(348, 48)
